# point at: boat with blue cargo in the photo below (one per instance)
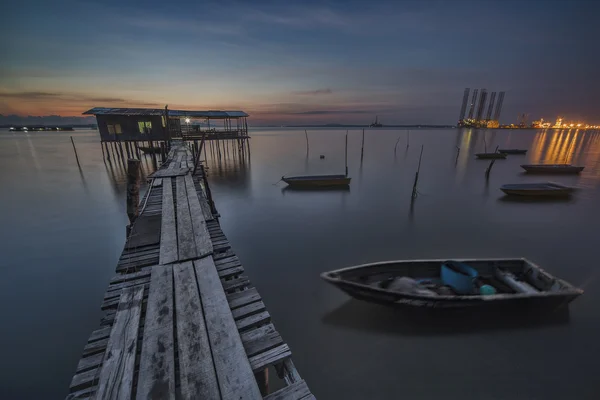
(459, 283)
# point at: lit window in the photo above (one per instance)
(145, 126)
(111, 129)
(164, 121)
(118, 130)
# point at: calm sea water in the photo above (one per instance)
(63, 229)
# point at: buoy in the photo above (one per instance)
(322, 156)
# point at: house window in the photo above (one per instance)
(164, 121)
(114, 129)
(145, 126)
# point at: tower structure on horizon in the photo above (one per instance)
(478, 116)
(463, 108)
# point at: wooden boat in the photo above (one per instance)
(546, 189)
(552, 168)
(513, 151)
(317, 180)
(376, 124)
(490, 156)
(508, 282)
(320, 181)
(150, 150)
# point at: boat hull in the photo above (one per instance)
(317, 181)
(490, 156)
(552, 169)
(349, 281)
(548, 189)
(512, 151)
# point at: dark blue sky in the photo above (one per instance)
(302, 62)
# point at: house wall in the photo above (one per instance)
(130, 128)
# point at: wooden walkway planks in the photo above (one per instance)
(202, 240)
(116, 375)
(198, 379)
(168, 233)
(228, 351)
(185, 239)
(239, 339)
(157, 360)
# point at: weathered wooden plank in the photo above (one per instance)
(157, 360)
(97, 346)
(236, 283)
(87, 363)
(208, 216)
(108, 318)
(129, 277)
(82, 394)
(169, 173)
(99, 334)
(296, 391)
(84, 380)
(273, 356)
(228, 265)
(257, 333)
(185, 233)
(226, 260)
(228, 351)
(168, 232)
(226, 273)
(253, 320)
(197, 372)
(224, 254)
(114, 290)
(204, 245)
(239, 299)
(263, 343)
(130, 259)
(157, 182)
(247, 310)
(116, 376)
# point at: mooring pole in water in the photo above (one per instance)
(133, 189)
(457, 154)
(306, 136)
(362, 147)
(414, 191)
(346, 158)
(396, 145)
(407, 138)
(489, 169)
(262, 378)
(75, 150)
(198, 153)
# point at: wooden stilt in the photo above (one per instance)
(262, 378)
(133, 189)
(102, 148)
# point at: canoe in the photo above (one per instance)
(513, 151)
(422, 284)
(317, 180)
(552, 168)
(547, 189)
(490, 156)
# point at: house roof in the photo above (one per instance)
(160, 111)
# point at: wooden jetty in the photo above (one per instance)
(181, 318)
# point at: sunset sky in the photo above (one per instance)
(302, 62)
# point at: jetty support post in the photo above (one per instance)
(133, 189)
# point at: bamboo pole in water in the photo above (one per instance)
(414, 191)
(346, 157)
(362, 147)
(306, 136)
(75, 150)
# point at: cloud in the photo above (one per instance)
(312, 92)
(328, 112)
(28, 95)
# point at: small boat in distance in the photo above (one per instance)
(552, 168)
(311, 181)
(376, 124)
(512, 151)
(466, 283)
(541, 189)
(320, 181)
(491, 156)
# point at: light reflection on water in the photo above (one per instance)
(66, 229)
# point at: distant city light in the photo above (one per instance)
(187, 120)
